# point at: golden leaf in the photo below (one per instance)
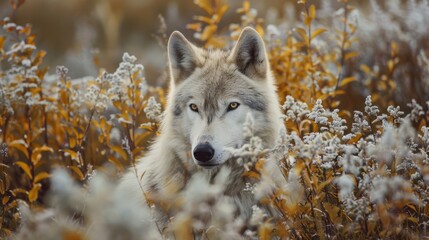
(39, 177)
(73, 235)
(34, 192)
(120, 151)
(205, 4)
(116, 162)
(37, 153)
(222, 11)
(26, 168)
(390, 65)
(312, 11)
(317, 32)
(246, 6)
(11, 205)
(2, 187)
(194, 26)
(365, 69)
(302, 33)
(39, 58)
(5, 200)
(259, 165)
(141, 137)
(2, 39)
(251, 174)
(77, 171)
(20, 145)
(346, 81)
(350, 55)
(208, 32)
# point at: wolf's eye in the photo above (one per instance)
(233, 106)
(193, 107)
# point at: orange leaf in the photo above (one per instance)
(26, 168)
(116, 162)
(20, 145)
(347, 80)
(208, 32)
(194, 26)
(5, 200)
(2, 38)
(365, 69)
(120, 151)
(302, 33)
(312, 11)
(69, 152)
(37, 153)
(77, 171)
(34, 192)
(350, 55)
(39, 177)
(317, 32)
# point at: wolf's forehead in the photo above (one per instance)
(216, 81)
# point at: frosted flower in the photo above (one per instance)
(391, 189)
(153, 110)
(295, 110)
(128, 58)
(26, 63)
(416, 110)
(248, 187)
(360, 125)
(371, 110)
(257, 216)
(346, 184)
(20, 47)
(384, 150)
(338, 125)
(395, 112)
(318, 113)
(425, 136)
(351, 163)
(4, 150)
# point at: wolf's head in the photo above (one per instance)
(211, 93)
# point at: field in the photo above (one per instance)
(353, 83)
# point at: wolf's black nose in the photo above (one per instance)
(203, 152)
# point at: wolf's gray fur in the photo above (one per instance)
(211, 80)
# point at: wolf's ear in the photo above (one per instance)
(182, 57)
(249, 54)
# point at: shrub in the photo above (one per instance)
(352, 170)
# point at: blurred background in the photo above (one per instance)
(73, 32)
(88, 35)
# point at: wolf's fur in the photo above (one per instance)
(211, 79)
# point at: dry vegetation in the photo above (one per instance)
(356, 166)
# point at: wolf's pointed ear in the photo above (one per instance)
(182, 57)
(249, 54)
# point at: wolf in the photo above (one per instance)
(210, 94)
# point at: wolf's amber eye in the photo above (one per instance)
(193, 107)
(233, 106)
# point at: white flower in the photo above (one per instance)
(346, 184)
(153, 110)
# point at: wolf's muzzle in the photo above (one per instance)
(204, 152)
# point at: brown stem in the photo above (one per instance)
(343, 51)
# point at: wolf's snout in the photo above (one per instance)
(204, 152)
